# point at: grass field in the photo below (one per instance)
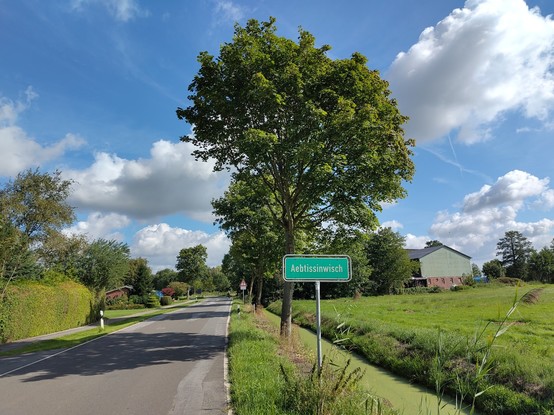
(443, 339)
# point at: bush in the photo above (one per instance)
(510, 281)
(31, 308)
(166, 300)
(153, 301)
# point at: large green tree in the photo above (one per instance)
(104, 264)
(515, 250)
(323, 136)
(494, 269)
(36, 204)
(541, 265)
(140, 277)
(256, 242)
(390, 262)
(191, 264)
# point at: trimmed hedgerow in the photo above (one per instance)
(32, 308)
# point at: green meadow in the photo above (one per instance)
(483, 344)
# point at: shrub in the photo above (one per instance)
(31, 308)
(153, 301)
(510, 281)
(166, 300)
(168, 291)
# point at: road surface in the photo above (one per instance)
(171, 364)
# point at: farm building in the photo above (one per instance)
(440, 266)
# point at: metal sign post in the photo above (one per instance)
(243, 287)
(317, 268)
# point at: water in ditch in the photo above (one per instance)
(404, 396)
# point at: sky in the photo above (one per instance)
(90, 87)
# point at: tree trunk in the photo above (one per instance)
(286, 309)
(260, 279)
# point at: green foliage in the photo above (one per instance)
(139, 276)
(494, 269)
(179, 287)
(104, 264)
(35, 203)
(163, 277)
(515, 250)
(152, 301)
(166, 300)
(541, 265)
(191, 263)
(31, 308)
(390, 263)
(400, 333)
(264, 381)
(322, 136)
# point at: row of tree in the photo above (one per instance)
(34, 211)
(519, 259)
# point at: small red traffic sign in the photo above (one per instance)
(243, 285)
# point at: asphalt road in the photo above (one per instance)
(170, 364)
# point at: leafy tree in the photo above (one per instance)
(163, 277)
(219, 279)
(515, 250)
(433, 243)
(353, 244)
(191, 264)
(541, 265)
(179, 287)
(389, 261)
(242, 214)
(494, 269)
(61, 253)
(104, 264)
(16, 259)
(36, 204)
(475, 271)
(140, 277)
(322, 135)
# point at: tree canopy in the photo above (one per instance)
(36, 203)
(390, 263)
(515, 250)
(323, 136)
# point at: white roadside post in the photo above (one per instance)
(317, 268)
(101, 319)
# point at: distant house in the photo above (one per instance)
(119, 292)
(440, 266)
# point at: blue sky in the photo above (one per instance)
(90, 87)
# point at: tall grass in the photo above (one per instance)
(272, 376)
(499, 358)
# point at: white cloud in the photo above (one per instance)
(227, 11)
(487, 214)
(122, 10)
(18, 151)
(488, 58)
(513, 188)
(393, 224)
(161, 244)
(169, 182)
(415, 242)
(100, 225)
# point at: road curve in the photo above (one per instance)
(170, 364)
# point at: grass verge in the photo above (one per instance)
(269, 375)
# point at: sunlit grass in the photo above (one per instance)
(401, 334)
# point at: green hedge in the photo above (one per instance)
(31, 308)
